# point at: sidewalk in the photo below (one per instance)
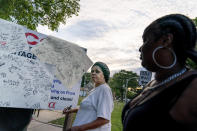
(40, 123)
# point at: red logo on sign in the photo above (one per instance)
(52, 105)
(2, 42)
(33, 35)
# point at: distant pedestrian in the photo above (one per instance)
(95, 110)
(169, 102)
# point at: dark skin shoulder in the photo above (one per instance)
(185, 109)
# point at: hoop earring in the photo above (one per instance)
(164, 67)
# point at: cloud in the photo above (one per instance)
(116, 58)
(140, 13)
(86, 29)
(111, 30)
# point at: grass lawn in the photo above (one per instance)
(116, 116)
(115, 119)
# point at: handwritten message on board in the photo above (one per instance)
(71, 60)
(24, 82)
(62, 96)
(12, 37)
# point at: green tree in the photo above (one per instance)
(30, 13)
(195, 21)
(118, 82)
(85, 79)
(131, 94)
(189, 62)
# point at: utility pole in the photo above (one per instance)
(126, 89)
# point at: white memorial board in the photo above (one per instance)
(33, 37)
(25, 83)
(71, 60)
(62, 96)
(12, 37)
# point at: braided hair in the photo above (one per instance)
(184, 35)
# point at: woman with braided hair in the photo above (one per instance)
(95, 110)
(169, 102)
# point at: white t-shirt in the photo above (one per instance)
(99, 103)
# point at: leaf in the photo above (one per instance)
(30, 13)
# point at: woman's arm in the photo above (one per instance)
(185, 109)
(92, 125)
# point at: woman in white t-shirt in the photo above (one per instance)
(95, 110)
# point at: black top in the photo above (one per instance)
(14, 119)
(153, 115)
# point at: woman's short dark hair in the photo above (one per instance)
(184, 34)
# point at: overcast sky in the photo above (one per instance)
(111, 30)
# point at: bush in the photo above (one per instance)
(131, 94)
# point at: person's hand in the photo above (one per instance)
(67, 111)
(75, 128)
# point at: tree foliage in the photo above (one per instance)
(85, 79)
(30, 13)
(189, 62)
(131, 94)
(195, 21)
(118, 82)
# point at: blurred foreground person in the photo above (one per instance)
(169, 102)
(14, 119)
